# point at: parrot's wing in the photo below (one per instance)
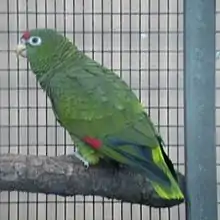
(92, 99)
(133, 147)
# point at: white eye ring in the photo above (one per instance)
(35, 41)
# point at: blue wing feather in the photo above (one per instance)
(140, 156)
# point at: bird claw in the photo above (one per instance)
(77, 155)
(86, 164)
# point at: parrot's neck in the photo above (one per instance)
(46, 69)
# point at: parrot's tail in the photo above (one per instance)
(155, 164)
(152, 162)
(171, 190)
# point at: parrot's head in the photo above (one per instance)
(43, 47)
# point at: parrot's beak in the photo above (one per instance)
(21, 50)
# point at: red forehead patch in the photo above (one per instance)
(26, 35)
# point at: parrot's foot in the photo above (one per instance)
(77, 155)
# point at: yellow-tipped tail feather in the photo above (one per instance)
(173, 192)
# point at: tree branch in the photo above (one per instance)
(66, 176)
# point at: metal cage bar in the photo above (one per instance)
(199, 101)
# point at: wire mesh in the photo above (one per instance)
(142, 41)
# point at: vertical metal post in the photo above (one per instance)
(199, 102)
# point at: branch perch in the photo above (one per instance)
(66, 176)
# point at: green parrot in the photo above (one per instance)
(98, 109)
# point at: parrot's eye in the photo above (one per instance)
(35, 41)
